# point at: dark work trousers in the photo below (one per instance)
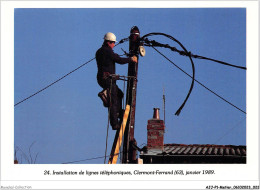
(115, 97)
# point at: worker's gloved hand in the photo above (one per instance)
(134, 59)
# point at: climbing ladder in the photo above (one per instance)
(118, 138)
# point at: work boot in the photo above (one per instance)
(116, 127)
(103, 95)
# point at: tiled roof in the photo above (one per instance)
(196, 149)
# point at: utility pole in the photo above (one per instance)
(128, 124)
(129, 153)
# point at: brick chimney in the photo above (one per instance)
(155, 132)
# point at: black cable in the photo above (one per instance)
(122, 41)
(221, 62)
(235, 126)
(150, 43)
(108, 119)
(192, 64)
(107, 132)
(53, 82)
(199, 82)
(87, 159)
(84, 160)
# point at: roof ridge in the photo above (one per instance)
(205, 145)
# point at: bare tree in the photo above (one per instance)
(29, 158)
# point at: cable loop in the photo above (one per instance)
(154, 43)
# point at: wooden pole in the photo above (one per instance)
(129, 154)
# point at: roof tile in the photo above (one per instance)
(210, 150)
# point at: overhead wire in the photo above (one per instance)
(231, 129)
(64, 76)
(217, 61)
(183, 53)
(87, 159)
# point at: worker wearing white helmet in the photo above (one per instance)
(106, 59)
(110, 37)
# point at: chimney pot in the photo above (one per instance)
(156, 113)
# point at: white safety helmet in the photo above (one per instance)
(110, 37)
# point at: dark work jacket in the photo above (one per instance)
(106, 59)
